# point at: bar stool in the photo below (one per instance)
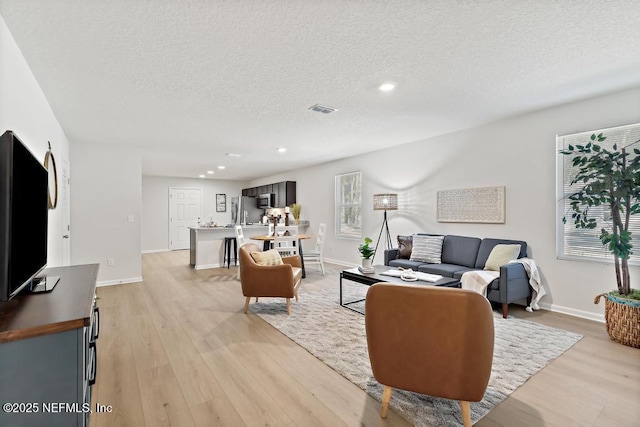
(228, 241)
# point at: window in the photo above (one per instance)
(348, 204)
(585, 244)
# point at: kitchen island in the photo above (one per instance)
(207, 243)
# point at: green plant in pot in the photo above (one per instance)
(367, 252)
(610, 178)
(295, 211)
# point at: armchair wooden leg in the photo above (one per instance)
(256, 299)
(295, 290)
(505, 310)
(246, 304)
(288, 306)
(386, 398)
(466, 413)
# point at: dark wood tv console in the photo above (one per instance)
(48, 352)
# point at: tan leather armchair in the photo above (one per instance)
(268, 281)
(430, 340)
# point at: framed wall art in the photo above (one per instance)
(482, 205)
(221, 202)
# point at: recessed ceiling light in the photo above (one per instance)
(209, 172)
(201, 176)
(281, 150)
(222, 167)
(234, 155)
(386, 87)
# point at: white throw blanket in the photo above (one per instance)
(534, 281)
(478, 280)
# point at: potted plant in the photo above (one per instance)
(295, 211)
(610, 178)
(367, 252)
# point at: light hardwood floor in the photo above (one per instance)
(176, 350)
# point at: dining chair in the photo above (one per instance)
(315, 256)
(285, 240)
(270, 233)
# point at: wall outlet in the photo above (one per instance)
(130, 218)
(111, 262)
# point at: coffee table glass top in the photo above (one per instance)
(355, 275)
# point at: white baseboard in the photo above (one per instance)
(119, 281)
(573, 312)
(338, 262)
(155, 251)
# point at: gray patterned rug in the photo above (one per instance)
(336, 336)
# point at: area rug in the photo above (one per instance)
(336, 336)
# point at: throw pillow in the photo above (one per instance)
(427, 249)
(405, 243)
(501, 255)
(266, 258)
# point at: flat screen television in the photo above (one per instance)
(24, 216)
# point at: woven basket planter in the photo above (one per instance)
(623, 319)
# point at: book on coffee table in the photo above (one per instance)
(425, 277)
(366, 270)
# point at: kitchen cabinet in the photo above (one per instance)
(286, 194)
(284, 191)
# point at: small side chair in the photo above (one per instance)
(430, 340)
(268, 281)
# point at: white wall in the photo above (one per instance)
(25, 110)
(519, 153)
(106, 189)
(155, 206)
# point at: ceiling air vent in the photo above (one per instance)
(322, 109)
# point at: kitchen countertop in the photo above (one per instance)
(259, 226)
(303, 223)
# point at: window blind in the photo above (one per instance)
(585, 244)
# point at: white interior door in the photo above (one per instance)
(185, 207)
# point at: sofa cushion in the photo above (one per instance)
(460, 250)
(446, 270)
(266, 258)
(405, 243)
(487, 246)
(405, 263)
(427, 248)
(501, 255)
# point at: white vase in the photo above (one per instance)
(366, 263)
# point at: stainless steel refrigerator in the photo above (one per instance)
(244, 210)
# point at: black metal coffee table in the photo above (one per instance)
(354, 275)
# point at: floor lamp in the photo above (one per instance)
(384, 202)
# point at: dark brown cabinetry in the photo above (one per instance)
(285, 192)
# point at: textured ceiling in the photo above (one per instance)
(188, 81)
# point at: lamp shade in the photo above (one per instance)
(385, 202)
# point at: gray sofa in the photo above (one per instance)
(461, 254)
